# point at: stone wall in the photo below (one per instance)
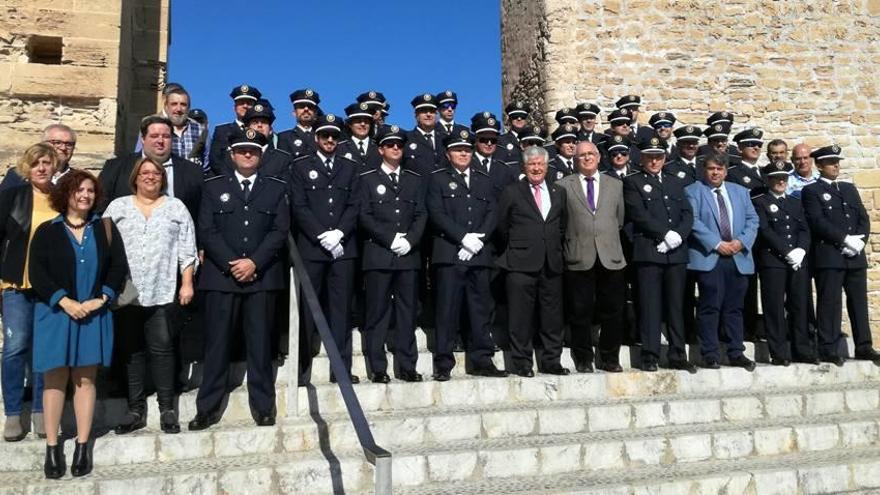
(95, 65)
(802, 71)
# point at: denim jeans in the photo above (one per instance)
(18, 341)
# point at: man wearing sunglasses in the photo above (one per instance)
(620, 121)
(447, 102)
(509, 143)
(243, 98)
(746, 171)
(633, 104)
(300, 140)
(486, 155)
(662, 123)
(684, 164)
(424, 148)
(588, 114)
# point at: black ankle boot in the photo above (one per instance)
(81, 464)
(55, 465)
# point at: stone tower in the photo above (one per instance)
(95, 65)
(802, 71)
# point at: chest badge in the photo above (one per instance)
(509, 146)
(747, 179)
(313, 174)
(453, 186)
(774, 208)
(348, 155)
(298, 142)
(647, 188)
(224, 198)
(559, 175)
(826, 197)
(680, 174)
(381, 189)
(413, 146)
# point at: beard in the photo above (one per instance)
(179, 120)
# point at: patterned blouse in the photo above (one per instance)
(157, 248)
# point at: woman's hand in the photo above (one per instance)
(93, 305)
(185, 294)
(73, 309)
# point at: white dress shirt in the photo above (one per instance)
(595, 188)
(545, 197)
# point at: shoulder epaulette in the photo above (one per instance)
(438, 171)
(414, 173)
(481, 172)
(368, 172)
(281, 151)
(758, 196)
(349, 160)
(276, 179)
(209, 179)
(300, 158)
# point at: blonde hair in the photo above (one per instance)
(30, 157)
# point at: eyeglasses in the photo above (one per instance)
(323, 135)
(751, 145)
(615, 154)
(517, 117)
(393, 144)
(620, 124)
(62, 144)
(485, 140)
(448, 105)
(664, 126)
(301, 106)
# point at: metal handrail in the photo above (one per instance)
(375, 455)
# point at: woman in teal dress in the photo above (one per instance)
(76, 269)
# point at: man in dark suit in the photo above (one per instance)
(720, 251)
(531, 226)
(243, 225)
(300, 140)
(424, 148)
(840, 227)
(594, 261)
(184, 177)
(486, 156)
(780, 256)
(243, 98)
(662, 220)
(461, 208)
(324, 190)
(359, 146)
(392, 220)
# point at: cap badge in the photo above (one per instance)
(371, 94)
(618, 138)
(718, 127)
(331, 117)
(647, 188)
(453, 186)
(426, 97)
(519, 104)
(224, 198)
(244, 88)
(394, 128)
(655, 141)
(258, 108)
(631, 98)
(569, 127)
(250, 133)
(313, 174)
(774, 208)
(689, 128)
(624, 111)
(724, 114)
(490, 121)
(662, 115)
(835, 149)
(826, 197)
(309, 92)
(780, 165)
(363, 106)
(448, 93)
(680, 174)
(381, 189)
(463, 134)
(536, 130)
(486, 115)
(756, 132)
(565, 110)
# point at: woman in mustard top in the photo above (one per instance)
(22, 209)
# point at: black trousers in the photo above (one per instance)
(722, 292)
(144, 331)
(458, 288)
(391, 293)
(752, 321)
(661, 291)
(597, 294)
(689, 308)
(829, 283)
(526, 293)
(785, 297)
(334, 284)
(222, 309)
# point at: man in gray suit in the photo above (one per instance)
(594, 262)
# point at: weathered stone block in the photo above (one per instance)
(776, 482)
(567, 420)
(605, 418)
(603, 455)
(691, 448)
(783, 406)
(648, 451)
(732, 445)
(774, 441)
(692, 412)
(816, 437)
(829, 479)
(510, 423)
(451, 466)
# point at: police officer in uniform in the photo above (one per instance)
(684, 163)
(725, 119)
(620, 121)
(243, 97)
(517, 119)
(243, 223)
(300, 140)
(662, 123)
(662, 219)
(276, 162)
(565, 140)
(424, 148)
(743, 172)
(392, 220)
(461, 209)
(620, 164)
(633, 104)
(359, 146)
(588, 114)
(780, 255)
(840, 227)
(447, 101)
(324, 188)
(564, 117)
(378, 106)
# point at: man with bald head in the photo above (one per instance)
(803, 174)
(594, 262)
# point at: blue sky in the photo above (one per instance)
(340, 49)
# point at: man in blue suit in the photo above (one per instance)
(720, 251)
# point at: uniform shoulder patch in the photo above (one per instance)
(276, 179)
(414, 173)
(438, 171)
(758, 196)
(279, 150)
(301, 158)
(368, 172)
(209, 179)
(349, 160)
(481, 172)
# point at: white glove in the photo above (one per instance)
(465, 255)
(854, 242)
(472, 242)
(400, 246)
(795, 257)
(663, 248)
(672, 239)
(330, 239)
(849, 253)
(337, 251)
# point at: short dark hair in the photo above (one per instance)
(716, 158)
(149, 120)
(67, 186)
(776, 142)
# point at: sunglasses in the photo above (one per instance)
(300, 106)
(664, 126)
(448, 105)
(615, 154)
(393, 144)
(485, 140)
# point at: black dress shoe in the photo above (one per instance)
(135, 421)
(743, 362)
(81, 464)
(869, 355)
(409, 376)
(649, 366)
(441, 376)
(583, 366)
(380, 377)
(203, 421)
(711, 364)
(55, 465)
(264, 419)
(354, 379)
(836, 360)
(556, 370)
(490, 371)
(683, 366)
(168, 422)
(610, 368)
(808, 360)
(525, 373)
(780, 361)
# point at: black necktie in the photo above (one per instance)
(449, 128)
(464, 179)
(836, 185)
(486, 164)
(430, 137)
(246, 187)
(723, 217)
(394, 179)
(361, 148)
(329, 164)
(568, 165)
